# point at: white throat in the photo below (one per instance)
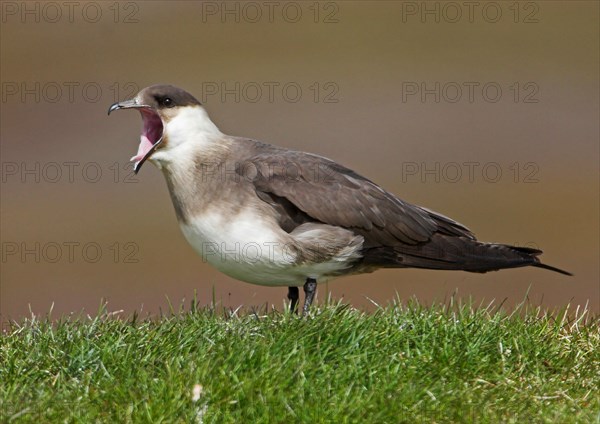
(188, 132)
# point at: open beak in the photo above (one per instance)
(152, 130)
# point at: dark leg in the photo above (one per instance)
(310, 288)
(293, 296)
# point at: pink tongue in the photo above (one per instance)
(144, 147)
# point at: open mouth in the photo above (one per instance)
(151, 137)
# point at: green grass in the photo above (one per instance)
(442, 363)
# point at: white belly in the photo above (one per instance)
(245, 247)
(250, 248)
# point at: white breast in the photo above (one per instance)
(251, 248)
(245, 246)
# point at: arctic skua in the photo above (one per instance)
(277, 217)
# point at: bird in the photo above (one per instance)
(272, 216)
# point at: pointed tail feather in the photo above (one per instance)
(552, 268)
(461, 253)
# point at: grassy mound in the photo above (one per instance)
(441, 363)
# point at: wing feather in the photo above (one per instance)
(332, 194)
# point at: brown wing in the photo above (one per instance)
(322, 190)
(303, 187)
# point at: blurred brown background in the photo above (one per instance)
(76, 227)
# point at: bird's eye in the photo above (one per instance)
(167, 102)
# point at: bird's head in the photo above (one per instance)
(171, 117)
